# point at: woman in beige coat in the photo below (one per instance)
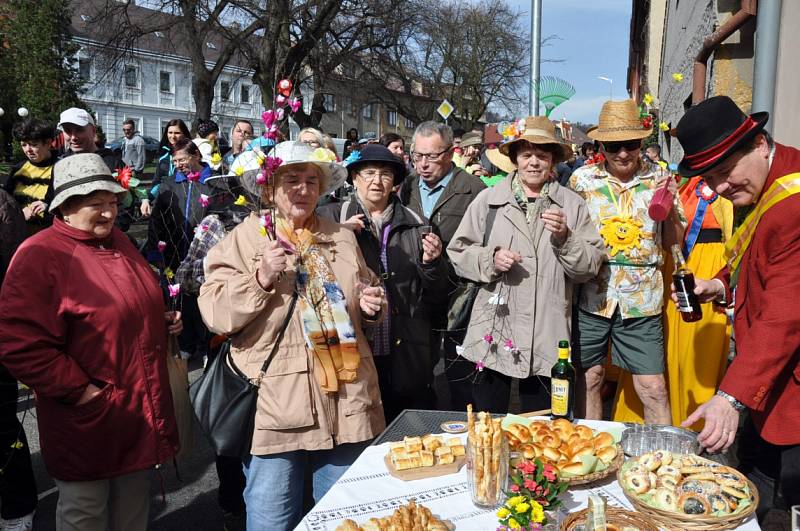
(319, 401)
(541, 243)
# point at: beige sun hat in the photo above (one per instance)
(501, 161)
(292, 153)
(619, 121)
(539, 130)
(81, 174)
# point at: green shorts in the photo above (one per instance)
(637, 343)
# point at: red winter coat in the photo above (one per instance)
(74, 311)
(765, 375)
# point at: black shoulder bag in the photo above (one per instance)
(224, 399)
(463, 299)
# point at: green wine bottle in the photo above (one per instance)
(562, 385)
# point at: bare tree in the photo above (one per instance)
(309, 41)
(206, 31)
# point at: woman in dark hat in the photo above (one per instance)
(398, 246)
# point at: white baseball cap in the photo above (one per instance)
(76, 116)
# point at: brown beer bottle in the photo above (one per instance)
(562, 385)
(683, 278)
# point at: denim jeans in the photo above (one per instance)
(274, 491)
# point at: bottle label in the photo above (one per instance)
(559, 397)
(684, 306)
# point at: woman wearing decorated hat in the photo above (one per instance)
(528, 241)
(622, 304)
(396, 244)
(295, 281)
(83, 324)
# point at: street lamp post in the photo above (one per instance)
(611, 85)
(536, 45)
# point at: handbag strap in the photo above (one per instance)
(278, 338)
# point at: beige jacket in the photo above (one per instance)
(293, 413)
(533, 305)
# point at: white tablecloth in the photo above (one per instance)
(367, 490)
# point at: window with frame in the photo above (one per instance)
(409, 123)
(329, 102)
(367, 111)
(391, 118)
(165, 81)
(244, 93)
(348, 105)
(84, 69)
(225, 91)
(131, 75)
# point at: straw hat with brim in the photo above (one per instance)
(377, 154)
(81, 174)
(539, 130)
(619, 121)
(712, 130)
(501, 161)
(293, 153)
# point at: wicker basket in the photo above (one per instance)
(618, 517)
(692, 522)
(587, 479)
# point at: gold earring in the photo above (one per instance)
(66, 220)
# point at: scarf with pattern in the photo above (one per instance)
(327, 327)
(532, 210)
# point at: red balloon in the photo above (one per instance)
(285, 87)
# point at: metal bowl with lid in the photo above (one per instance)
(640, 439)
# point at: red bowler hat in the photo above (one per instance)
(712, 130)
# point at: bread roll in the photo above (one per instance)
(551, 453)
(397, 448)
(442, 450)
(403, 464)
(432, 442)
(603, 439)
(413, 444)
(519, 431)
(426, 456)
(572, 468)
(584, 432)
(607, 454)
(458, 451)
(445, 459)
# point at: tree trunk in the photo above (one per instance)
(203, 92)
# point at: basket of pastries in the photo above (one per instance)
(688, 491)
(581, 454)
(616, 520)
(409, 517)
(425, 457)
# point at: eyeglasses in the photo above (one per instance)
(615, 147)
(430, 157)
(371, 176)
(312, 143)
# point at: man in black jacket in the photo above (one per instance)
(440, 192)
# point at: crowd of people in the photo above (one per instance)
(340, 282)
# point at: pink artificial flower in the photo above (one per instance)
(272, 164)
(203, 200)
(269, 117)
(549, 473)
(509, 345)
(480, 365)
(174, 290)
(204, 227)
(271, 133)
(295, 104)
(528, 468)
(279, 114)
(514, 488)
(488, 338)
(161, 246)
(261, 178)
(530, 484)
(193, 176)
(280, 99)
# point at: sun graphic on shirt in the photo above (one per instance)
(621, 234)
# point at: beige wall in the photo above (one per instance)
(786, 125)
(655, 43)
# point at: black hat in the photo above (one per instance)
(372, 153)
(712, 130)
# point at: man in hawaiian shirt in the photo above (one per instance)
(623, 303)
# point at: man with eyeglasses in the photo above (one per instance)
(623, 304)
(439, 192)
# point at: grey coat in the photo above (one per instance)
(535, 306)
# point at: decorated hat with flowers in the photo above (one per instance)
(293, 153)
(620, 121)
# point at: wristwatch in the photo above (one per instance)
(738, 406)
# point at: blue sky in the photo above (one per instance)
(593, 41)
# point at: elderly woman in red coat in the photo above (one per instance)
(83, 324)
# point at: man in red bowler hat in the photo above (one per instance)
(742, 163)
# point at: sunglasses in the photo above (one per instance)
(615, 147)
